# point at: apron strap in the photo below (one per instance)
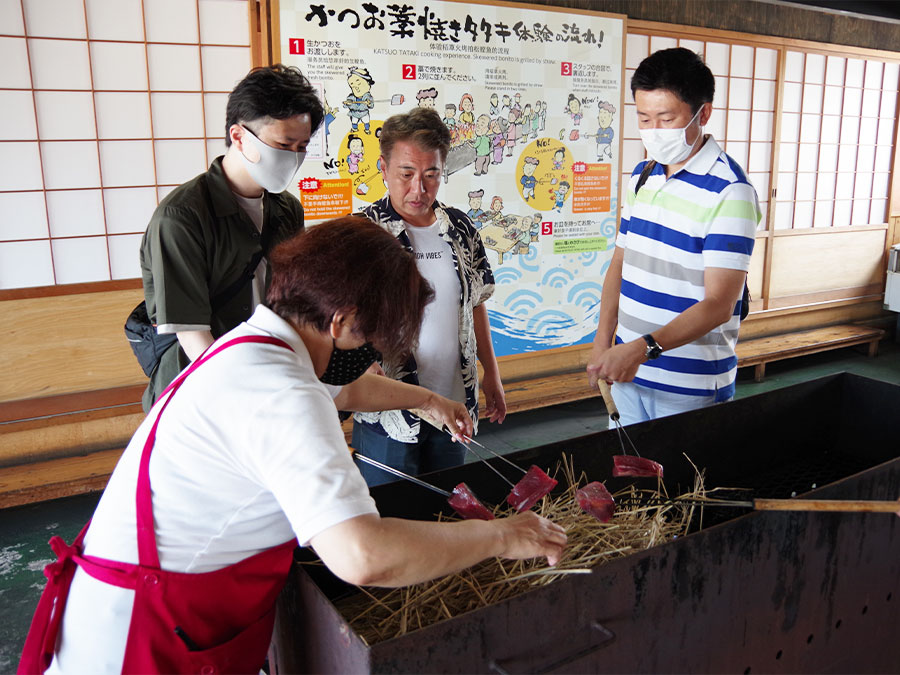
(148, 555)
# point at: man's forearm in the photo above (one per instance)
(194, 342)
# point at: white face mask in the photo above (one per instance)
(275, 168)
(669, 146)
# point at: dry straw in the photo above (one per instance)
(381, 614)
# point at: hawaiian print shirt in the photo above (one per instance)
(476, 281)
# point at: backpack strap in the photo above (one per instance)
(645, 174)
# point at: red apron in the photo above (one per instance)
(214, 622)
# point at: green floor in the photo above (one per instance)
(24, 531)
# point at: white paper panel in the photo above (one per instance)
(843, 188)
(766, 64)
(127, 163)
(224, 67)
(809, 128)
(80, 260)
(720, 98)
(174, 67)
(695, 46)
(762, 127)
(763, 95)
(865, 159)
(808, 157)
(738, 125)
(214, 114)
(785, 187)
(871, 103)
(812, 98)
(815, 69)
(852, 101)
(658, 42)
(842, 212)
(636, 50)
(178, 161)
(119, 66)
(115, 20)
(738, 151)
(124, 256)
(70, 164)
(860, 214)
(741, 61)
(718, 57)
(25, 263)
(65, 115)
(11, 17)
(880, 185)
(17, 110)
(760, 157)
(739, 95)
(793, 67)
(22, 216)
(224, 22)
(784, 213)
(822, 215)
(790, 127)
(825, 186)
(834, 71)
(854, 73)
(868, 132)
(14, 56)
(831, 128)
(75, 213)
(60, 64)
(123, 115)
(873, 74)
(128, 210)
(20, 166)
(793, 93)
(803, 215)
(177, 115)
(878, 212)
(883, 158)
(716, 124)
(806, 186)
(828, 154)
(55, 18)
(214, 148)
(171, 21)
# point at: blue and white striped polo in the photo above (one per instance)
(705, 215)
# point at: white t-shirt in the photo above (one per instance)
(249, 454)
(437, 355)
(253, 207)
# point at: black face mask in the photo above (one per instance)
(346, 365)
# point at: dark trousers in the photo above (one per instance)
(434, 450)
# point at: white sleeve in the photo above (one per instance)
(303, 459)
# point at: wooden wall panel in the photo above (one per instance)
(825, 261)
(65, 344)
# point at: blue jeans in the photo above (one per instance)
(433, 451)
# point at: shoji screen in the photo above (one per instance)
(836, 137)
(837, 129)
(743, 116)
(106, 105)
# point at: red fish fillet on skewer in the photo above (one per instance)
(594, 499)
(626, 465)
(466, 504)
(534, 485)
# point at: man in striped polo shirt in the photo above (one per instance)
(671, 300)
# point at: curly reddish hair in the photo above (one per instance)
(345, 264)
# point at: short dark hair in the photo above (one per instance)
(678, 70)
(277, 92)
(345, 264)
(422, 126)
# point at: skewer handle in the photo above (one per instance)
(844, 505)
(608, 400)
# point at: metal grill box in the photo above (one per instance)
(751, 592)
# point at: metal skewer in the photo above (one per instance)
(396, 472)
(614, 416)
(442, 427)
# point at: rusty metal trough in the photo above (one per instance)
(748, 593)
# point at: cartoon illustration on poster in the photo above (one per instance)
(532, 99)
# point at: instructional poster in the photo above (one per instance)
(533, 101)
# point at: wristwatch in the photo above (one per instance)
(653, 349)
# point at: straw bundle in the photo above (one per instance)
(382, 614)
